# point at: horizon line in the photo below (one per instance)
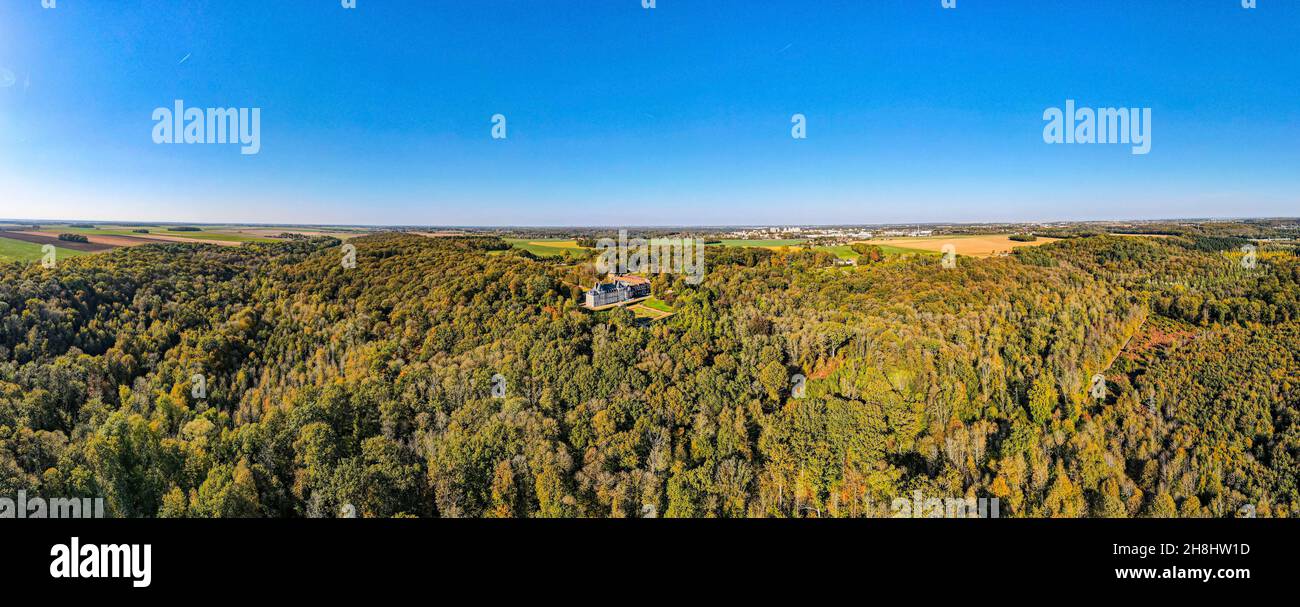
(648, 226)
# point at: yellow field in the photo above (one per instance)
(969, 246)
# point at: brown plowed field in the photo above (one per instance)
(44, 238)
(969, 246)
(122, 240)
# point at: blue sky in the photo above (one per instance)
(623, 116)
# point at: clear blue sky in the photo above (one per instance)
(622, 116)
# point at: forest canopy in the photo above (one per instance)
(192, 380)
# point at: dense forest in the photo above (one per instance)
(190, 380)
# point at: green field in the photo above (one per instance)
(17, 250)
(890, 249)
(547, 247)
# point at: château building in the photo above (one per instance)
(620, 289)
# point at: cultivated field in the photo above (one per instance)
(205, 234)
(108, 239)
(42, 238)
(23, 242)
(270, 234)
(969, 246)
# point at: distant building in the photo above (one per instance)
(619, 290)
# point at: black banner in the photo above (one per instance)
(527, 559)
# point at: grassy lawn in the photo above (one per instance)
(547, 247)
(651, 308)
(17, 250)
(657, 304)
(642, 311)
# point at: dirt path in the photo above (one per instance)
(1119, 352)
